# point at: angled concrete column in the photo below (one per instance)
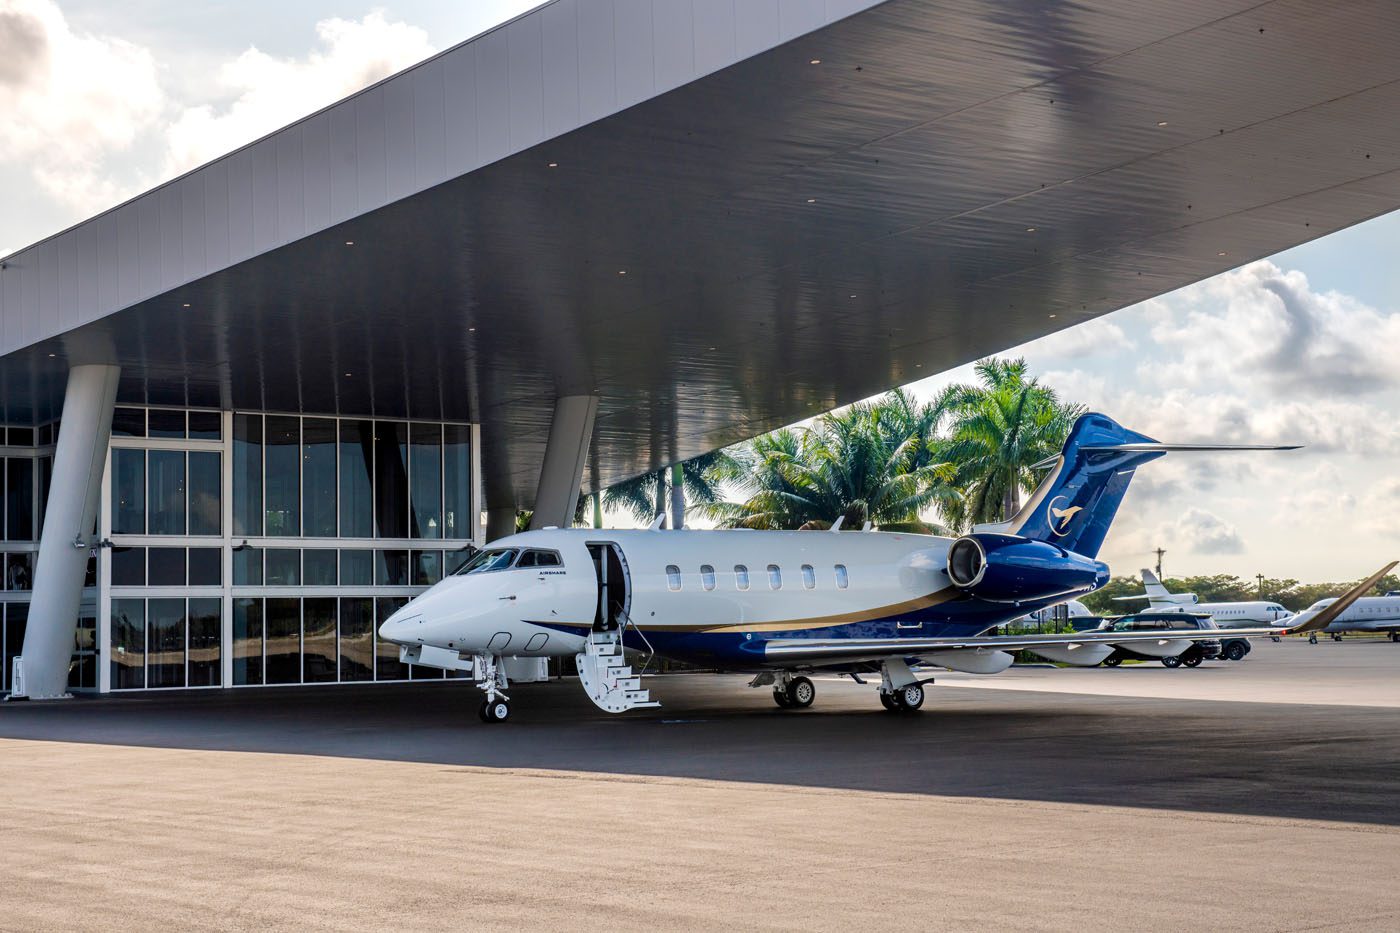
(561, 474)
(500, 522)
(64, 542)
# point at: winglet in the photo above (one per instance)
(1327, 616)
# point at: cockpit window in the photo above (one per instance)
(487, 561)
(540, 559)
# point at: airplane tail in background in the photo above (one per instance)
(1075, 504)
(1156, 592)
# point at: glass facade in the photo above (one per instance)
(263, 549)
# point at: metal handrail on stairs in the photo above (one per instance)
(622, 640)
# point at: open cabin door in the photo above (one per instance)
(614, 586)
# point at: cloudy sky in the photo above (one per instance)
(104, 100)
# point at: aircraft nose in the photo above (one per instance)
(395, 628)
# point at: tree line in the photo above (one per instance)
(1227, 588)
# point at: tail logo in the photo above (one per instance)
(1060, 517)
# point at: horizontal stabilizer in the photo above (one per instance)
(1167, 448)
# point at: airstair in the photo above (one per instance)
(606, 676)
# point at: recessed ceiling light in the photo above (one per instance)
(621, 271)
(349, 242)
(1221, 253)
(554, 165)
(1030, 230)
(470, 329)
(815, 61)
(185, 305)
(918, 365)
(1052, 316)
(349, 374)
(52, 355)
(853, 296)
(1161, 122)
(811, 200)
(711, 348)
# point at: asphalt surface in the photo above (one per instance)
(353, 807)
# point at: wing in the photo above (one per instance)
(818, 651)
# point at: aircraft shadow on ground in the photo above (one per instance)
(1310, 762)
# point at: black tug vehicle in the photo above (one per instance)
(1232, 649)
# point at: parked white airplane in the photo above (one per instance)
(1368, 614)
(781, 604)
(1226, 615)
(1074, 609)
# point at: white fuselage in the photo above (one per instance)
(1230, 615)
(693, 593)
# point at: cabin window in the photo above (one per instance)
(540, 559)
(809, 577)
(741, 576)
(843, 579)
(673, 577)
(707, 576)
(775, 577)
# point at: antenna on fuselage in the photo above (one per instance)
(836, 525)
(865, 527)
(657, 522)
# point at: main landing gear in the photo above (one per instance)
(794, 692)
(904, 699)
(491, 678)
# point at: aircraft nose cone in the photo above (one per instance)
(395, 628)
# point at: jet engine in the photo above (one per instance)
(1010, 569)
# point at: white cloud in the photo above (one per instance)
(1259, 325)
(271, 92)
(1202, 532)
(89, 120)
(71, 101)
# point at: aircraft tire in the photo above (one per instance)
(1171, 662)
(1337, 636)
(888, 702)
(801, 692)
(1312, 639)
(497, 710)
(1395, 636)
(781, 698)
(909, 698)
(1112, 662)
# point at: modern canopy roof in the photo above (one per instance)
(719, 217)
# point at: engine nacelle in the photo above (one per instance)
(1011, 569)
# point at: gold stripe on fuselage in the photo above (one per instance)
(793, 625)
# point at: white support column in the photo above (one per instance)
(74, 494)
(561, 474)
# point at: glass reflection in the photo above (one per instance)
(19, 499)
(165, 624)
(318, 438)
(165, 492)
(425, 466)
(128, 491)
(247, 474)
(206, 482)
(457, 481)
(318, 567)
(205, 618)
(356, 479)
(319, 662)
(357, 638)
(283, 640)
(128, 664)
(247, 641)
(283, 476)
(390, 479)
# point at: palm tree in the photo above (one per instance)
(698, 480)
(997, 430)
(869, 462)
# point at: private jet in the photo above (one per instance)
(786, 604)
(1226, 615)
(1368, 614)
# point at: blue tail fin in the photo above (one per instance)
(1075, 504)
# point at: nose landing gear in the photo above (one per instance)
(491, 678)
